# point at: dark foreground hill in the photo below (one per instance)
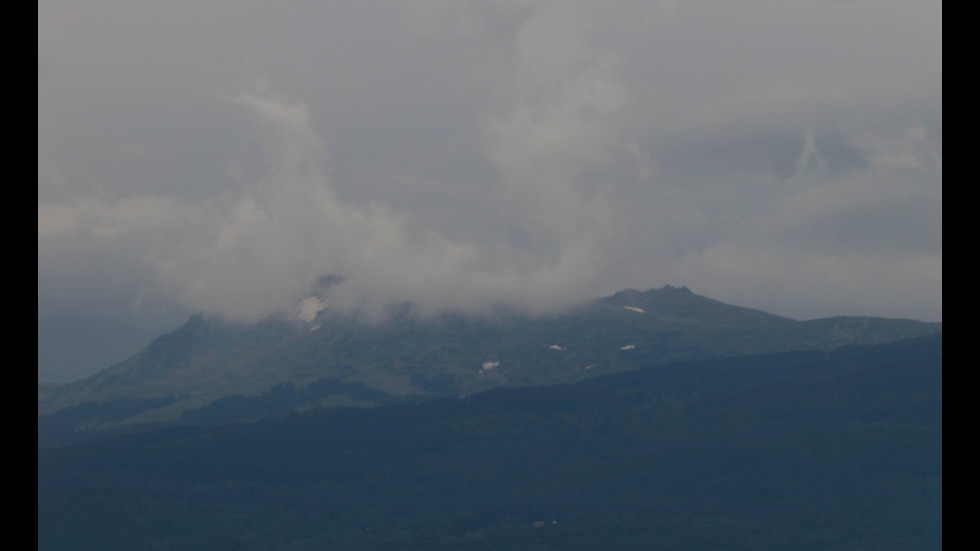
(802, 450)
(210, 372)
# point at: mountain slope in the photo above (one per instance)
(799, 450)
(208, 369)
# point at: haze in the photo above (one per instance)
(222, 156)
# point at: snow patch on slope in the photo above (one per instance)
(309, 307)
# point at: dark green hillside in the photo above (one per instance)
(801, 450)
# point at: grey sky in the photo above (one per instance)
(222, 155)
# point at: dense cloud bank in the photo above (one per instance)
(781, 156)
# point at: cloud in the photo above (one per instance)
(808, 285)
(553, 131)
(291, 226)
(458, 154)
(103, 217)
(868, 242)
(260, 249)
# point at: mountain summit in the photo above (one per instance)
(679, 304)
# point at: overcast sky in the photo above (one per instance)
(220, 156)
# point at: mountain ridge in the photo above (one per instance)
(406, 356)
(810, 449)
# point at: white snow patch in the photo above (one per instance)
(309, 307)
(487, 366)
(556, 347)
(635, 309)
(627, 347)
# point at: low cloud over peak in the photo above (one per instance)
(458, 155)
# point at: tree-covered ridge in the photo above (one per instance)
(807, 450)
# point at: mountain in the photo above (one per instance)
(814, 450)
(210, 371)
